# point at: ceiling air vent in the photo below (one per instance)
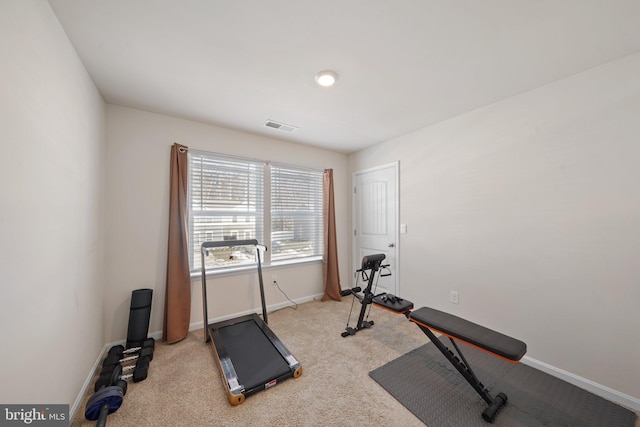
(280, 126)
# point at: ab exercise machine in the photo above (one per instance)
(430, 322)
(371, 264)
(249, 355)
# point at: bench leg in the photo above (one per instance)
(465, 370)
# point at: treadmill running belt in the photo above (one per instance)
(254, 357)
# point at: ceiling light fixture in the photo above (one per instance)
(326, 78)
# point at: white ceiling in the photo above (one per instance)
(403, 64)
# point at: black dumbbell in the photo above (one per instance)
(116, 359)
(114, 376)
(120, 350)
(116, 353)
(140, 363)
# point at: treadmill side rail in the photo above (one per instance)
(293, 362)
(279, 345)
(235, 390)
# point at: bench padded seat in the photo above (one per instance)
(469, 332)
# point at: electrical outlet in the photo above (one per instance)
(274, 280)
(453, 297)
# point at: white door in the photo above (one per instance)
(375, 207)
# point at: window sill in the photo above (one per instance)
(233, 271)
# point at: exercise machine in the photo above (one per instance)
(249, 355)
(431, 321)
(371, 265)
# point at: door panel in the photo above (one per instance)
(375, 219)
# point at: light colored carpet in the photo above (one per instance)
(184, 387)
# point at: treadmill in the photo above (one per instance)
(249, 355)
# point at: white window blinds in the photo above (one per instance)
(233, 198)
(226, 203)
(296, 212)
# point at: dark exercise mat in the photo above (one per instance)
(433, 390)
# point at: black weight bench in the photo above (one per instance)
(430, 320)
(470, 333)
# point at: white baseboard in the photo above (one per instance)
(85, 387)
(610, 394)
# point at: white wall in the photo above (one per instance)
(138, 148)
(530, 209)
(51, 201)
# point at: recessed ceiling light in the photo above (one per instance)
(326, 78)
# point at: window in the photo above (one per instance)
(296, 213)
(225, 203)
(235, 199)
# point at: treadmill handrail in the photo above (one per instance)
(229, 243)
(223, 243)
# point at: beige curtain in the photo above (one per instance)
(330, 258)
(177, 303)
